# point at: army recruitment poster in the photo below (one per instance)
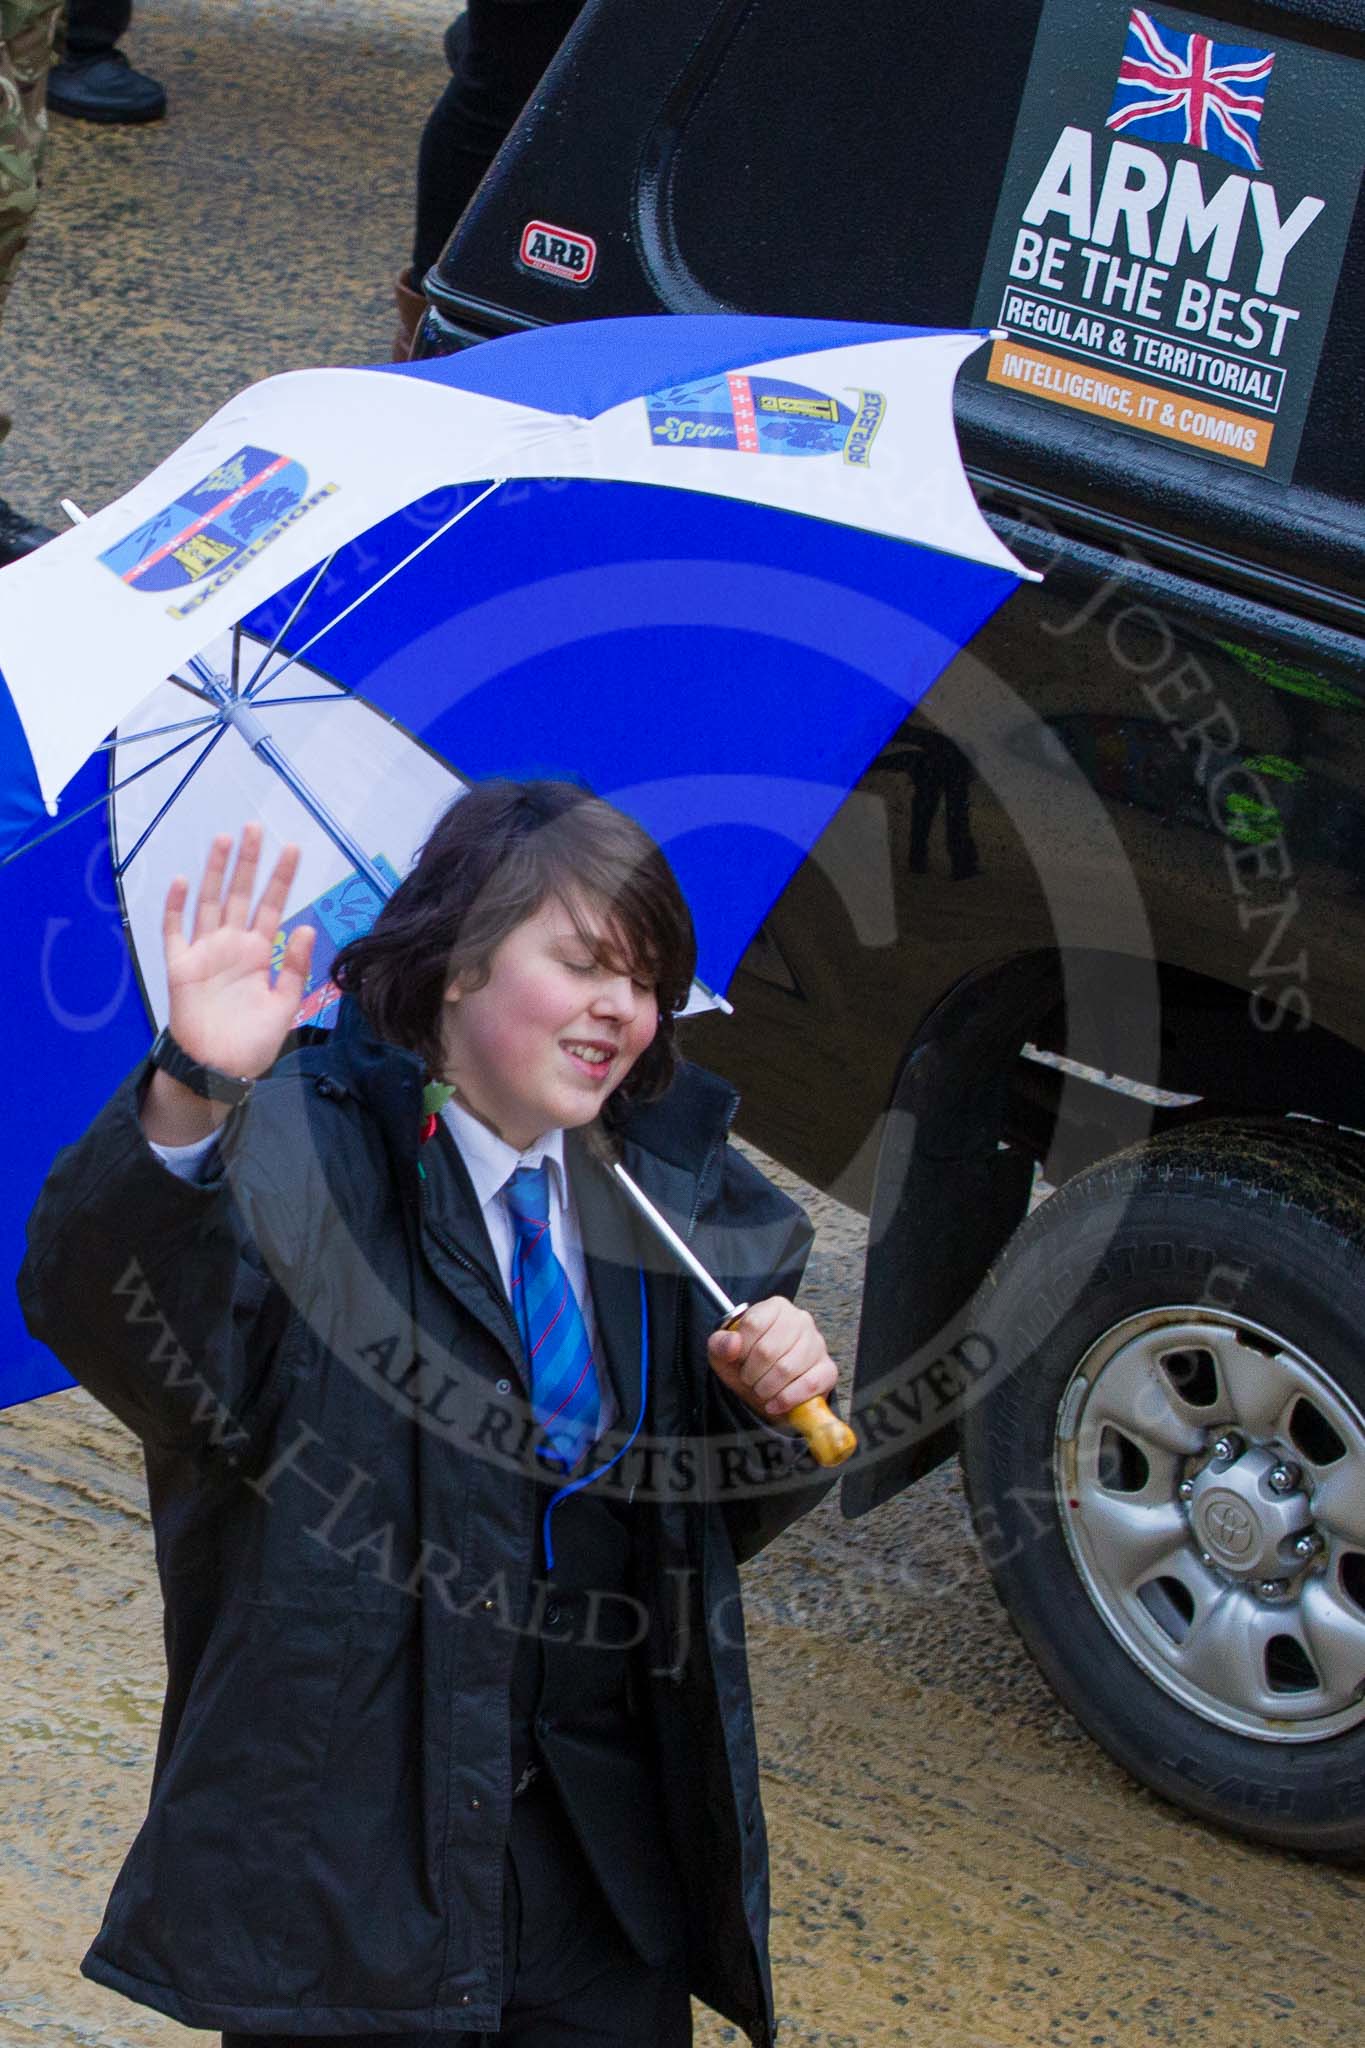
(1172, 224)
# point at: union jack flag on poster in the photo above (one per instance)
(1179, 87)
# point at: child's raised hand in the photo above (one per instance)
(224, 1008)
(774, 1358)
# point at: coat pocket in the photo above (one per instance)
(371, 1910)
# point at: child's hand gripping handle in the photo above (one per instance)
(830, 1441)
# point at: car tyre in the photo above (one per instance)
(1166, 1469)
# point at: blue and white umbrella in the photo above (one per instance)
(705, 565)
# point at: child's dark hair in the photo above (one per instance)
(500, 852)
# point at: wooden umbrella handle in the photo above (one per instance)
(830, 1441)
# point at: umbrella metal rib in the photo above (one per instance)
(274, 647)
(121, 867)
(155, 732)
(192, 688)
(259, 683)
(239, 713)
(72, 817)
(337, 696)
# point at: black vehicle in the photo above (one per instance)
(1096, 916)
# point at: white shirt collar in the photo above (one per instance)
(491, 1160)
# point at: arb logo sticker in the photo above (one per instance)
(558, 252)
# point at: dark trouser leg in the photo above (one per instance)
(573, 1978)
(95, 81)
(93, 27)
(958, 822)
(926, 785)
(441, 2039)
(634, 2007)
(498, 50)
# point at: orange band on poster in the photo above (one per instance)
(1196, 422)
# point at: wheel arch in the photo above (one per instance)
(941, 1156)
(970, 1118)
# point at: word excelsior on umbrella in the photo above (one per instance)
(705, 565)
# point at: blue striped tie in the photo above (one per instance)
(564, 1396)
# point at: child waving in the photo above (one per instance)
(448, 1471)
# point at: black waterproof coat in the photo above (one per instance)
(326, 1379)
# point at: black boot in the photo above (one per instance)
(104, 88)
(18, 535)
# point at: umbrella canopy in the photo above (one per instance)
(704, 564)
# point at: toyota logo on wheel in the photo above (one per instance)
(1230, 1526)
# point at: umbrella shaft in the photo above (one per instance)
(681, 1251)
(318, 811)
(235, 711)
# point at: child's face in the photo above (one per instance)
(551, 1032)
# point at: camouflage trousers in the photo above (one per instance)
(28, 30)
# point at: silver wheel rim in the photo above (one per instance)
(1211, 1483)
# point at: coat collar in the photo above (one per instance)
(453, 1221)
(665, 1145)
(681, 1129)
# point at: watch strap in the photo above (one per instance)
(210, 1082)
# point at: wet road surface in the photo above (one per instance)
(954, 1863)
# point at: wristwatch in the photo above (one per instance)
(210, 1082)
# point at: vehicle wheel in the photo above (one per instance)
(1168, 1475)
